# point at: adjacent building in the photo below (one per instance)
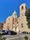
(1, 26)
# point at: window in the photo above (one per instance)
(17, 22)
(9, 18)
(13, 20)
(22, 25)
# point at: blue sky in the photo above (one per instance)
(8, 6)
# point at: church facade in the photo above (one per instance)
(15, 23)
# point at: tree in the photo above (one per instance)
(2, 38)
(27, 14)
(26, 37)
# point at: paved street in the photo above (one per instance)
(16, 37)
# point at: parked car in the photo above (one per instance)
(3, 32)
(8, 32)
(25, 32)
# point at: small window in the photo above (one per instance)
(9, 18)
(17, 22)
(13, 20)
(22, 25)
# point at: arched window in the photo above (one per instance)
(13, 20)
(22, 25)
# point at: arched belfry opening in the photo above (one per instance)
(22, 7)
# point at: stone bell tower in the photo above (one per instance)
(23, 21)
(23, 9)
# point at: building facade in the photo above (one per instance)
(11, 23)
(15, 23)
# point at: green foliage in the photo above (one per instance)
(26, 37)
(29, 32)
(2, 38)
(27, 14)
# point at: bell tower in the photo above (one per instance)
(22, 9)
(23, 21)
